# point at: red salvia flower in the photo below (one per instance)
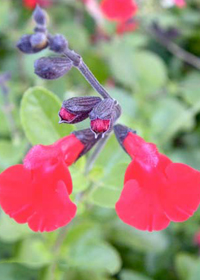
(156, 190)
(30, 4)
(118, 10)
(180, 3)
(37, 192)
(126, 26)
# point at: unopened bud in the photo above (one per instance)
(51, 68)
(58, 43)
(100, 126)
(104, 115)
(26, 41)
(38, 41)
(40, 16)
(77, 109)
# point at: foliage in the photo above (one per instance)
(159, 94)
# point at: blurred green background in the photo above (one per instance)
(146, 71)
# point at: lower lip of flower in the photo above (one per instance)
(100, 126)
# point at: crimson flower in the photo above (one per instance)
(126, 26)
(37, 192)
(180, 3)
(30, 4)
(156, 190)
(118, 10)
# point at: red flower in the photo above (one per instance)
(180, 3)
(126, 26)
(156, 190)
(37, 192)
(118, 10)
(30, 4)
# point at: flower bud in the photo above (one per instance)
(38, 40)
(58, 43)
(77, 109)
(30, 44)
(51, 68)
(40, 16)
(104, 115)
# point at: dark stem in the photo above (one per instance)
(56, 250)
(85, 71)
(99, 147)
(175, 49)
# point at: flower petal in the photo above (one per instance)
(38, 197)
(119, 10)
(56, 211)
(140, 207)
(67, 148)
(139, 149)
(182, 196)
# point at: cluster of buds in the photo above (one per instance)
(102, 112)
(156, 190)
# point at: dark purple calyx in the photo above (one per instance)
(77, 109)
(104, 115)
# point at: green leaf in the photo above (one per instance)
(5, 15)
(80, 182)
(170, 117)
(188, 156)
(189, 88)
(17, 272)
(34, 254)
(108, 188)
(133, 67)
(120, 63)
(39, 117)
(97, 256)
(11, 231)
(85, 249)
(186, 266)
(74, 274)
(138, 240)
(11, 153)
(127, 274)
(104, 197)
(149, 81)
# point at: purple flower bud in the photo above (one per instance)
(104, 115)
(38, 40)
(25, 45)
(58, 43)
(40, 16)
(51, 68)
(77, 109)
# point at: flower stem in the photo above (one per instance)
(85, 71)
(99, 147)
